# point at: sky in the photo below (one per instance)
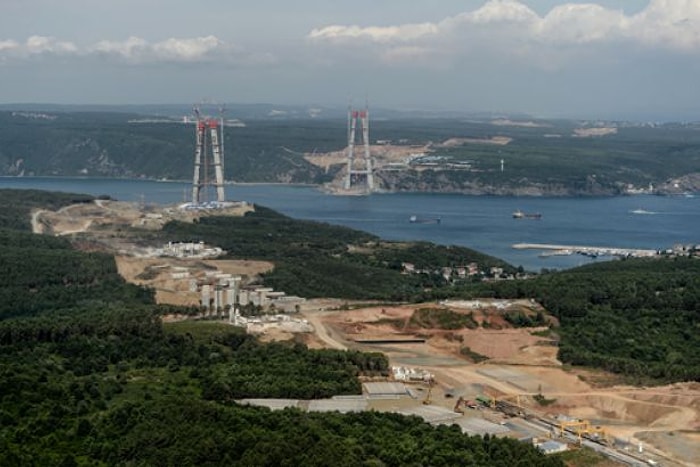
(635, 59)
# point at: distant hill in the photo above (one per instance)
(273, 144)
(260, 111)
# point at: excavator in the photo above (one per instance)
(428, 400)
(462, 402)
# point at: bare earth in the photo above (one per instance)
(101, 225)
(666, 419)
(157, 273)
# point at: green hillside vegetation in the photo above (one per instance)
(41, 272)
(104, 144)
(548, 157)
(99, 380)
(16, 205)
(633, 155)
(637, 317)
(314, 259)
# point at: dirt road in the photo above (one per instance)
(323, 332)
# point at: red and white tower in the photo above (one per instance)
(359, 173)
(208, 156)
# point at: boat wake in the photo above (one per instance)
(642, 212)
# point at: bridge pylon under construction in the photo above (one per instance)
(360, 171)
(208, 159)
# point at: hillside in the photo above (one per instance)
(559, 158)
(96, 378)
(637, 317)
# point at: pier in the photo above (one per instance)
(592, 251)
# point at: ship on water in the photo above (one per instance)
(423, 220)
(642, 211)
(526, 215)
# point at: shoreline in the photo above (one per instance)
(325, 189)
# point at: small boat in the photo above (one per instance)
(526, 215)
(641, 211)
(423, 220)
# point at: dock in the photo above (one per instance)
(592, 251)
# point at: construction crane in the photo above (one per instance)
(504, 404)
(578, 427)
(583, 428)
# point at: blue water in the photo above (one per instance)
(482, 223)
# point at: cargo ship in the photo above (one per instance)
(526, 215)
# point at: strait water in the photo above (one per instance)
(483, 223)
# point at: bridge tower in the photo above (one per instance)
(359, 173)
(208, 156)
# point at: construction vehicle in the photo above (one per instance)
(485, 401)
(428, 400)
(462, 402)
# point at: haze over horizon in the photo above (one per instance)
(632, 59)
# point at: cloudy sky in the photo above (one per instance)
(602, 58)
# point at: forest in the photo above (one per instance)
(314, 259)
(96, 378)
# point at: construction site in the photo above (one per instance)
(518, 388)
(492, 378)
(487, 377)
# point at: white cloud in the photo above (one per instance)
(580, 24)
(136, 49)
(673, 23)
(502, 11)
(511, 29)
(405, 32)
(187, 49)
(132, 50)
(128, 49)
(34, 46)
(42, 44)
(8, 45)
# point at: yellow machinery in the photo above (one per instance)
(509, 404)
(583, 428)
(578, 427)
(598, 434)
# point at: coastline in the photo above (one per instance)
(526, 192)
